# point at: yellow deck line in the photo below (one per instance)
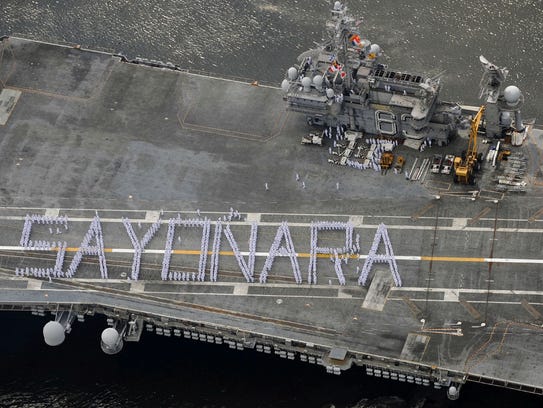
(461, 259)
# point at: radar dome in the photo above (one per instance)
(292, 73)
(285, 85)
(110, 336)
(306, 83)
(112, 341)
(53, 333)
(512, 95)
(453, 393)
(375, 49)
(337, 5)
(317, 80)
(364, 43)
(330, 93)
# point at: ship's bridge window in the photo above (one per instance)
(385, 122)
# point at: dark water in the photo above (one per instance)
(260, 39)
(254, 39)
(173, 372)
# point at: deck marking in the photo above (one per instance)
(377, 294)
(415, 310)
(451, 259)
(52, 212)
(241, 289)
(152, 216)
(536, 215)
(137, 286)
(422, 211)
(342, 294)
(306, 255)
(532, 310)
(8, 100)
(471, 310)
(457, 224)
(414, 347)
(34, 284)
(470, 290)
(356, 220)
(475, 219)
(451, 295)
(191, 211)
(253, 217)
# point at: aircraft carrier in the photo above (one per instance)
(181, 203)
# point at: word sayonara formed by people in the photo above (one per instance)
(92, 244)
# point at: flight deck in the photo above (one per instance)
(185, 204)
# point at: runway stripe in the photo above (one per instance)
(458, 259)
(452, 259)
(453, 224)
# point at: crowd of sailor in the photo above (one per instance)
(232, 215)
(339, 132)
(214, 262)
(346, 145)
(247, 270)
(373, 256)
(283, 246)
(372, 159)
(139, 245)
(41, 220)
(194, 222)
(37, 272)
(182, 276)
(337, 267)
(314, 249)
(283, 232)
(93, 233)
(204, 245)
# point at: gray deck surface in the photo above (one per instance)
(92, 133)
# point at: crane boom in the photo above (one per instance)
(465, 166)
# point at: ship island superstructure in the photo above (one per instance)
(184, 204)
(342, 82)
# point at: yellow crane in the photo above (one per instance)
(465, 166)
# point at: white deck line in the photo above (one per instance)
(265, 254)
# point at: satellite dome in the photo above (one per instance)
(317, 80)
(364, 43)
(330, 93)
(453, 393)
(337, 5)
(53, 333)
(112, 341)
(512, 95)
(292, 73)
(375, 49)
(285, 85)
(306, 83)
(110, 336)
